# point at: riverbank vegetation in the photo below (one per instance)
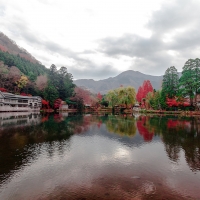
(20, 76)
(176, 93)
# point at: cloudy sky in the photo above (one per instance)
(101, 38)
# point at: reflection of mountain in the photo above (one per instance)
(17, 119)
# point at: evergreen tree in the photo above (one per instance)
(170, 82)
(190, 79)
(50, 93)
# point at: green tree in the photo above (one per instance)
(157, 100)
(170, 82)
(190, 79)
(126, 95)
(66, 85)
(121, 95)
(111, 97)
(50, 93)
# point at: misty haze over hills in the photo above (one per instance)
(126, 78)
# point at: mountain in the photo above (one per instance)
(8, 45)
(126, 78)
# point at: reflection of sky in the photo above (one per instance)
(92, 155)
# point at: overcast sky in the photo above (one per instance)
(101, 38)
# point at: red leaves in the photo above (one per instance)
(174, 124)
(174, 102)
(57, 103)
(144, 90)
(3, 48)
(81, 95)
(139, 94)
(3, 90)
(147, 136)
(24, 94)
(99, 96)
(45, 104)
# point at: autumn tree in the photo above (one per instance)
(81, 95)
(144, 90)
(41, 82)
(122, 95)
(139, 94)
(112, 97)
(57, 103)
(21, 83)
(99, 96)
(147, 87)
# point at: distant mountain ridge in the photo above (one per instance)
(8, 45)
(126, 78)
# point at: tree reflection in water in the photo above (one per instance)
(144, 128)
(177, 133)
(122, 125)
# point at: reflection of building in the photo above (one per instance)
(19, 119)
(136, 107)
(12, 102)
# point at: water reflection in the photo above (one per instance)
(66, 156)
(122, 125)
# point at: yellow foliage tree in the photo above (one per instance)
(122, 95)
(21, 83)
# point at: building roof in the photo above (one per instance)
(10, 95)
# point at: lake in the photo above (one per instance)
(69, 156)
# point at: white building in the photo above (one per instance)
(12, 102)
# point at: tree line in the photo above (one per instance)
(21, 76)
(175, 92)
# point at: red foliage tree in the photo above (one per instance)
(99, 96)
(173, 102)
(147, 87)
(144, 90)
(45, 104)
(57, 103)
(3, 90)
(139, 94)
(81, 95)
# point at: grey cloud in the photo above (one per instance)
(130, 45)
(175, 14)
(151, 55)
(94, 72)
(190, 39)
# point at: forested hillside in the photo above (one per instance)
(18, 75)
(8, 45)
(32, 70)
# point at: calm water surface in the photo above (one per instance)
(99, 157)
